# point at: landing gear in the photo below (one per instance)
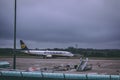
(44, 57)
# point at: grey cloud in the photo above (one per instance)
(6, 19)
(65, 22)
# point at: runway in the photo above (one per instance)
(99, 66)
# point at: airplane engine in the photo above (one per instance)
(48, 56)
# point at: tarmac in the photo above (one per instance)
(99, 66)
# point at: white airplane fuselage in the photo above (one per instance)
(44, 53)
(49, 53)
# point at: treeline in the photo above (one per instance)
(78, 51)
(92, 52)
(9, 52)
(6, 51)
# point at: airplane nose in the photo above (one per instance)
(71, 54)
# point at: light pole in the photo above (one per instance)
(14, 52)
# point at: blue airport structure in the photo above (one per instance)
(4, 64)
(18, 75)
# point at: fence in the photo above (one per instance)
(18, 75)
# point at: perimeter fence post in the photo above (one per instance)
(86, 77)
(64, 76)
(42, 75)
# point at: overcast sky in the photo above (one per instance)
(61, 23)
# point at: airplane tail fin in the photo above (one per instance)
(23, 46)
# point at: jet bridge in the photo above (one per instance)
(83, 65)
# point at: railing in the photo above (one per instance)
(18, 75)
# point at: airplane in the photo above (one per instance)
(45, 53)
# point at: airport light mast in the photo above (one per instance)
(14, 52)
